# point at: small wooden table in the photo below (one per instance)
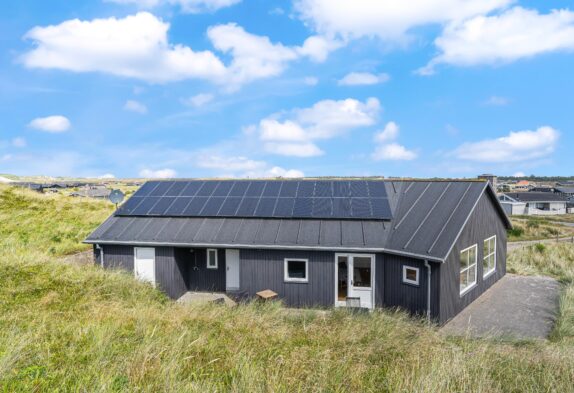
(267, 294)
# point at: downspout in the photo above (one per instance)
(98, 247)
(428, 266)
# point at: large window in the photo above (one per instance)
(468, 269)
(211, 259)
(489, 256)
(296, 270)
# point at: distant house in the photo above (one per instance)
(533, 203)
(97, 192)
(565, 191)
(522, 186)
(430, 247)
(490, 178)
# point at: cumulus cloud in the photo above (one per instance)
(515, 34)
(19, 142)
(158, 173)
(240, 166)
(107, 176)
(187, 6)
(137, 46)
(135, 106)
(519, 174)
(516, 146)
(387, 148)
(363, 78)
(386, 19)
(198, 100)
(393, 151)
(295, 132)
(52, 124)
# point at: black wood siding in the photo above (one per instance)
(117, 257)
(170, 273)
(264, 269)
(406, 296)
(199, 277)
(483, 223)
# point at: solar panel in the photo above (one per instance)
(321, 199)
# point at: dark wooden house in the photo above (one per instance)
(430, 247)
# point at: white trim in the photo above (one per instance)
(373, 275)
(408, 281)
(207, 264)
(492, 253)
(286, 277)
(135, 262)
(271, 247)
(475, 264)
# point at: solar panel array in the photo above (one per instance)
(258, 198)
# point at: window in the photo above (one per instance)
(489, 256)
(211, 259)
(468, 269)
(296, 270)
(411, 275)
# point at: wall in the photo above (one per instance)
(199, 277)
(264, 269)
(395, 293)
(483, 223)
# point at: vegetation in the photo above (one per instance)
(70, 327)
(538, 228)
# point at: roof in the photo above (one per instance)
(565, 190)
(523, 183)
(535, 197)
(427, 218)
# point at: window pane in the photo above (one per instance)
(463, 281)
(472, 275)
(464, 260)
(362, 272)
(296, 269)
(411, 274)
(472, 256)
(211, 257)
(486, 265)
(486, 251)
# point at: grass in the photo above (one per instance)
(67, 327)
(538, 228)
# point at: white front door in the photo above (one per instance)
(144, 264)
(354, 280)
(232, 270)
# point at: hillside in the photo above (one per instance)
(71, 327)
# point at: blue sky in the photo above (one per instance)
(253, 88)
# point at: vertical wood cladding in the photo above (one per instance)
(199, 277)
(264, 269)
(409, 297)
(483, 223)
(170, 273)
(118, 257)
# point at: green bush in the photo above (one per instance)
(540, 247)
(517, 231)
(532, 224)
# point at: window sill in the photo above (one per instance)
(468, 289)
(490, 273)
(296, 281)
(411, 284)
(212, 267)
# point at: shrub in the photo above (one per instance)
(540, 247)
(553, 231)
(532, 224)
(516, 231)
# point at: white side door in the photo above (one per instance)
(361, 277)
(232, 270)
(144, 264)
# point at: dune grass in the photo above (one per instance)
(68, 327)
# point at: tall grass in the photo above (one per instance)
(67, 327)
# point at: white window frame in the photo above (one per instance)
(473, 284)
(216, 259)
(286, 277)
(408, 281)
(492, 253)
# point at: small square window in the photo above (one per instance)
(296, 270)
(411, 275)
(212, 259)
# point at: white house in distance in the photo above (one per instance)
(534, 203)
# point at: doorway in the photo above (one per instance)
(354, 280)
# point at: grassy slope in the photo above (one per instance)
(77, 328)
(538, 228)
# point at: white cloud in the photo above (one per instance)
(363, 78)
(135, 106)
(198, 100)
(240, 166)
(311, 81)
(497, 101)
(187, 6)
(293, 133)
(158, 174)
(517, 33)
(107, 176)
(277, 171)
(386, 19)
(519, 174)
(52, 124)
(19, 142)
(137, 47)
(389, 133)
(393, 151)
(515, 147)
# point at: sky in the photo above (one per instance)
(259, 88)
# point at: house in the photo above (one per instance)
(533, 203)
(567, 192)
(430, 247)
(97, 192)
(522, 186)
(493, 179)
